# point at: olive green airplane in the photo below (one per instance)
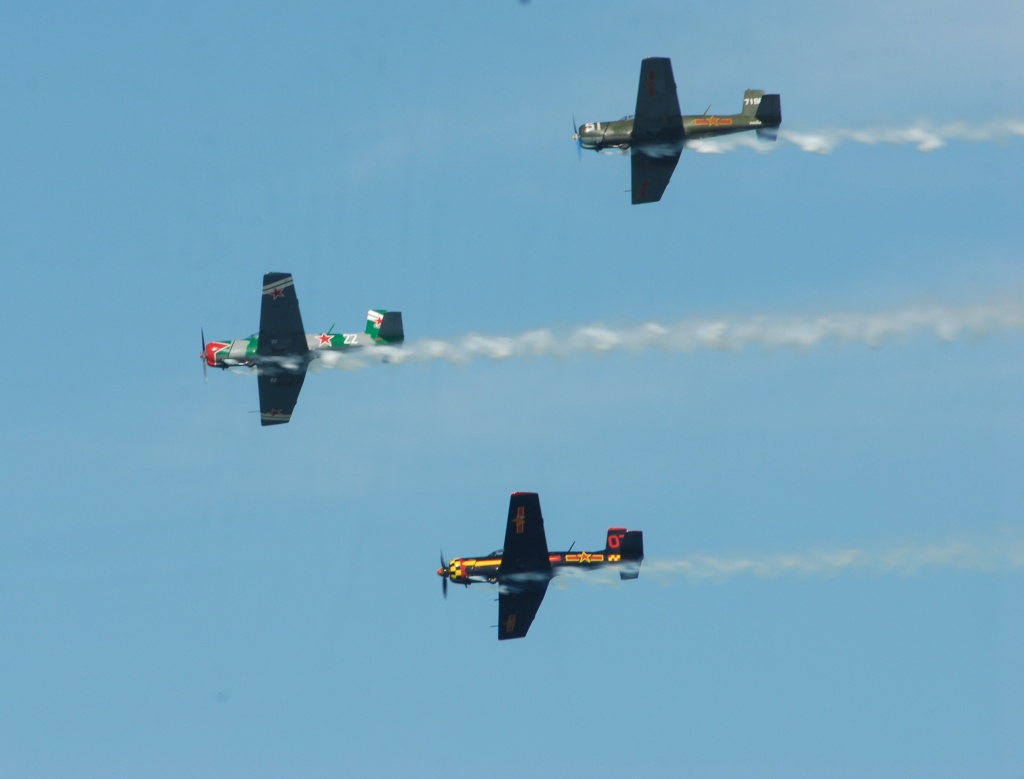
(524, 566)
(657, 133)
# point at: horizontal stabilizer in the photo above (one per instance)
(769, 111)
(632, 554)
(385, 326)
(391, 329)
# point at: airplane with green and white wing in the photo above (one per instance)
(282, 351)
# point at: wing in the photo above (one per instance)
(281, 329)
(657, 105)
(516, 611)
(651, 175)
(526, 548)
(278, 393)
(525, 569)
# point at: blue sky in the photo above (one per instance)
(183, 592)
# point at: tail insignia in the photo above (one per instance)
(520, 520)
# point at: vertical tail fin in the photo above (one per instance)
(751, 101)
(765, 108)
(628, 547)
(385, 326)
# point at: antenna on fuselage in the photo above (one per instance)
(706, 110)
(571, 546)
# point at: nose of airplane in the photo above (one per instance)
(211, 353)
(440, 572)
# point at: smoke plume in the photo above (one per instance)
(987, 557)
(924, 137)
(907, 560)
(720, 333)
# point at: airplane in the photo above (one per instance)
(524, 566)
(282, 351)
(657, 133)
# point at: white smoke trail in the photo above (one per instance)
(970, 557)
(923, 136)
(906, 560)
(724, 334)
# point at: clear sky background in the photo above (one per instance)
(184, 593)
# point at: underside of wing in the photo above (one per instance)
(651, 175)
(281, 331)
(525, 569)
(278, 395)
(657, 105)
(526, 547)
(517, 609)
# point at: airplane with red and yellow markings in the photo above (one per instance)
(524, 566)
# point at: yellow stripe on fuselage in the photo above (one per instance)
(585, 557)
(489, 563)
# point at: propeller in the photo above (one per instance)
(202, 355)
(443, 573)
(576, 137)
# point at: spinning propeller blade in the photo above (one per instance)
(443, 571)
(202, 355)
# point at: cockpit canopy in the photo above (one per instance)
(497, 553)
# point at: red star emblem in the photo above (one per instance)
(520, 519)
(277, 292)
(325, 339)
(378, 321)
(276, 412)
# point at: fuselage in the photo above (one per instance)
(619, 134)
(478, 570)
(227, 354)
